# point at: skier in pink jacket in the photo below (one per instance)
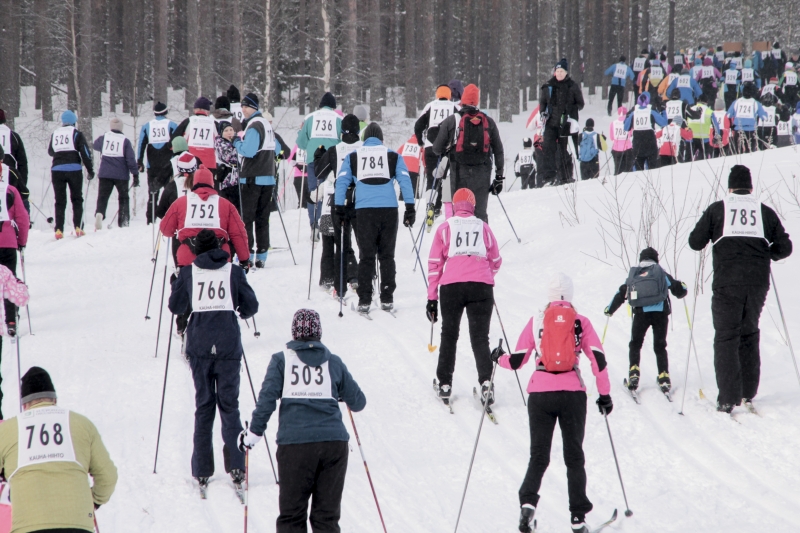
(622, 148)
(558, 395)
(463, 262)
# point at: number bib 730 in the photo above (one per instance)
(43, 436)
(200, 214)
(211, 289)
(466, 237)
(411, 150)
(373, 162)
(305, 382)
(742, 217)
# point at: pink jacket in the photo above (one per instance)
(622, 140)
(444, 270)
(9, 238)
(542, 381)
(12, 289)
(299, 169)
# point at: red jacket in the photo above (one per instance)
(670, 138)
(412, 162)
(9, 237)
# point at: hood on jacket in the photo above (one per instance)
(212, 260)
(203, 183)
(644, 99)
(312, 353)
(748, 63)
(707, 62)
(222, 113)
(372, 141)
(622, 111)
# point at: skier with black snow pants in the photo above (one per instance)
(426, 129)
(560, 101)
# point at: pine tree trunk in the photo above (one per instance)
(426, 47)
(410, 60)
(10, 35)
(607, 46)
(115, 47)
(303, 50)
(192, 50)
(160, 51)
(376, 96)
(509, 96)
(589, 48)
(206, 52)
(634, 37)
(575, 46)
(179, 44)
(327, 56)
(84, 22)
(237, 77)
(671, 41)
(41, 59)
(645, 29)
(533, 37)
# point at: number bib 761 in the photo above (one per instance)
(113, 144)
(466, 237)
(200, 214)
(305, 382)
(211, 289)
(373, 162)
(44, 437)
(742, 217)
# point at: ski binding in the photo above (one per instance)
(634, 394)
(486, 408)
(448, 402)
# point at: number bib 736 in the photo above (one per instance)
(200, 214)
(323, 125)
(742, 217)
(373, 162)
(211, 289)
(44, 437)
(466, 237)
(305, 382)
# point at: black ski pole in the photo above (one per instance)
(287, 236)
(313, 239)
(475, 448)
(507, 218)
(49, 219)
(25, 281)
(503, 329)
(341, 267)
(15, 339)
(628, 511)
(163, 391)
(161, 311)
(419, 261)
(153, 279)
(256, 333)
(253, 390)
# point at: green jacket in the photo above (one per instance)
(700, 127)
(306, 139)
(57, 495)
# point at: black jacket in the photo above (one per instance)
(447, 129)
(17, 159)
(560, 98)
(82, 153)
(263, 163)
(422, 124)
(741, 260)
(168, 197)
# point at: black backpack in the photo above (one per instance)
(647, 285)
(472, 140)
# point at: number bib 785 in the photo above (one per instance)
(200, 214)
(742, 217)
(373, 162)
(466, 237)
(211, 289)
(305, 382)
(44, 437)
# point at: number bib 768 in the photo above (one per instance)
(44, 437)
(200, 214)
(466, 237)
(305, 382)
(211, 289)
(742, 217)
(373, 162)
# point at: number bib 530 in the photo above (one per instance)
(44, 437)
(200, 214)
(742, 217)
(159, 131)
(466, 237)
(201, 132)
(305, 382)
(211, 289)
(113, 144)
(323, 125)
(373, 162)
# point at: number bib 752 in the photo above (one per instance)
(44, 437)
(305, 382)
(742, 217)
(466, 237)
(211, 289)
(200, 214)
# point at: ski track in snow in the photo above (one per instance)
(700, 472)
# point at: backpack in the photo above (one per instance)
(559, 336)
(588, 147)
(647, 285)
(472, 139)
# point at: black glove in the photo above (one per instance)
(319, 152)
(605, 404)
(497, 185)
(96, 506)
(172, 278)
(432, 310)
(341, 213)
(245, 266)
(136, 180)
(420, 142)
(21, 248)
(141, 167)
(497, 353)
(91, 175)
(410, 215)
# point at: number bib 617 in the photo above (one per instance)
(305, 382)
(466, 237)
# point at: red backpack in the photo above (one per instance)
(558, 339)
(473, 143)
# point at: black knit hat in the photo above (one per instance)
(648, 254)
(328, 100)
(373, 130)
(203, 103)
(749, 90)
(233, 94)
(251, 100)
(740, 178)
(222, 102)
(205, 241)
(563, 64)
(306, 325)
(622, 59)
(36, 384)
(527, 142)
(350, 125)
(590, 123)
(160, 109)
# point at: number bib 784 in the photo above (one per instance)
(211, 289)
(200, 214)
(466, 237)
(305, 382)
(44, 437)
(742, 217)
(373, 162)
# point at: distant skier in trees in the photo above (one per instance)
(619, 72)
(591, 144)
(525, 165)
(154, 142)
(117, 165)
(621, 148)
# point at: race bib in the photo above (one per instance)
(731, 76)
(747, 74)
(770, 120)
(200, 214)
(64, 139)
(305, 382)
(440, 110)
(211, 289)
(745, 108)
(323, 125)
(236, 111)
(674, 109)
(179, 184)
(784, 128)
(720, 56)
(342, 151)
(677, 60)
(789, 78)
(776, 53)
(684, 81)
(768, 89)
(113, 144)
(411, 150)
(43, 436)
(721, 116)
(621, 71)
(707, 72)
(159, 131)
(328, 191)
(742, 217)
(638, 64)
(619, 131)
(3, 191)
(268, 142)
(201, 132)
(466, 237)
(373, 162)
(300, 157)
(641, 119)
(5, 139)
(656, 73)
(526, 157)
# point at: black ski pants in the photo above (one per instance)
(557, 161)
(431, 160)
(478, 179)
(478, 300)
(414, 183)
(590, 169)
(658, 320)
(255, 212)
(622, 161)
(157, 178)
(528, 179)
(332, 256)
(305, 195)
(736, 311)
(617, 91)
(569, 409)
(232, 195)
(745, 142)
(216, 385)
(74, 180)
(376, 237)
(8, 258)
(105, 187)
(316, 471)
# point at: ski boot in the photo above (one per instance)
(633, 377)
(354, 284)
(526, 523)
(261, 258)
(237, 476)
(487, 393)
(725, 407)
(429, 218)
(11, 327)
(444, 392)
(579, 524)
(363, 309)
(203, 482)
(664, 383)
(59, 235)
(98, 221)
(79, 232)
(387, 306)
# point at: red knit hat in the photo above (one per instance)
(203, 176)
(471, 96)
(464, 200)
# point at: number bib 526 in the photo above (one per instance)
(44, 437)
(211, 289)
(200, 214)
(63, 139)
(305, 382)
(466, 237)
(742, 217)
(373, 162)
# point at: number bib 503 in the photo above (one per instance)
(466, 237)
(44, 437)
(200, 214)
(211, 289)
(305, 382)
(742, 217)
(373, 162)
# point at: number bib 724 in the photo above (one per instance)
(44, 437)
(305, 382)
(745, 108)
(200, 214)
(466, 237)
(373, 162)
(742, 217)
(211, 289)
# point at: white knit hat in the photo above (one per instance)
(560, 288)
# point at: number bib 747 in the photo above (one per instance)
(200, 214)
(742, 217)
(201, 132)
(466, 237)
(44, 437)
(211, 289)
(305, 382)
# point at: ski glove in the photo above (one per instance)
(248, 439)
(341, 214)
(605, 404)
(432, 310)
(136, 180)
(497, 185)
(245, 266)
(319, 152)
(91, 175)
(410, 215)
(497, 353)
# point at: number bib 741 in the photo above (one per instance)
(211, 289)
(200, 214)
(305, 382)
(466, 237)
(44, 437)
(742, 217)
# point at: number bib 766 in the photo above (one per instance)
(742, 217)
(305, 382)
(466, 237)
(200, 214)
(43, 437)
(211, 289)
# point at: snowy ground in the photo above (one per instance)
(701, 472)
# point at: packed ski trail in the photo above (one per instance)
(699, 472)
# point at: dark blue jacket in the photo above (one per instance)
(117, 168)
(214, 334)
(307, 420)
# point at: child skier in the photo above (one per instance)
(591, 143)
(646, 290)
(524, 166)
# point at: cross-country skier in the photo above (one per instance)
(641, 121)
(699, 120)
(309, 381)
(14, 225)
(16, 158)
(673, 140)
(214, 291)
(117, 164)
(222, 113)
(783, 131)
(180, 185)
(620, 72)
(154, 142)
(463, 262)
(621, 147)
(591, 144)
(689, 88)
(767, 125)
(525, 166)
(789, 88)
(746, 236)
(414, 158)
(228, 165)
(200, 131)
(743, 113)
(719, 136)
(557, 393)
(235, 105)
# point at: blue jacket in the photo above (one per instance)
(144, 142)
(618, 81)
(116, 168)
(214, 334)
(307, 420)
(655, 116)
(746, 124)
(375, 195)
(688, 94)
(248, 147)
